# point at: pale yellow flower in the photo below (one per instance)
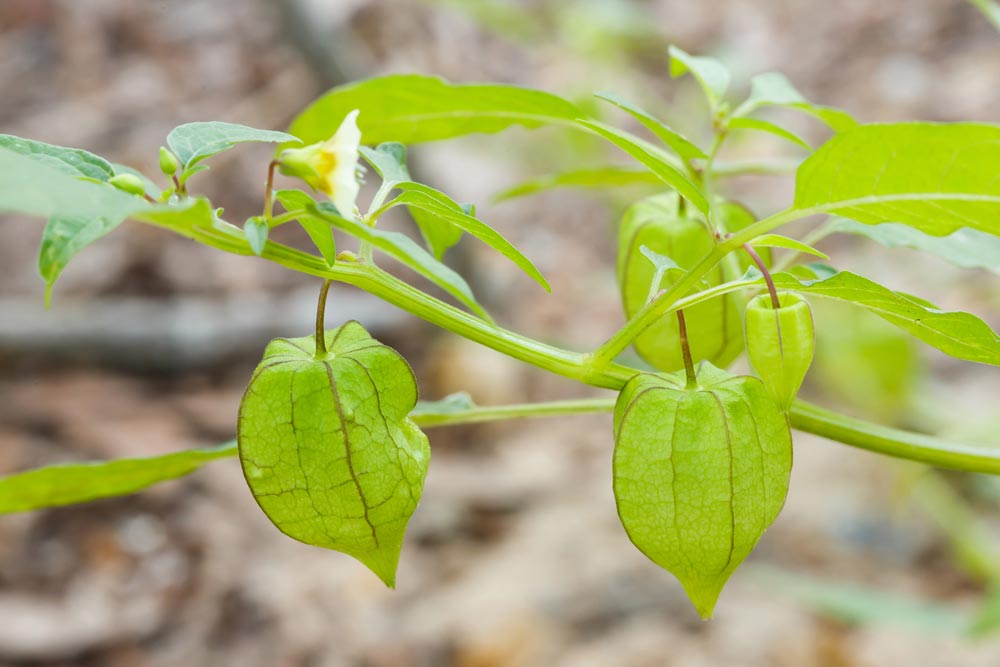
(330, 166)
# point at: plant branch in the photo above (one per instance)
(762, 167)
(479, 414)
(608, 375)
(894, 442)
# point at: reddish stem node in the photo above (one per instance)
(775, 302)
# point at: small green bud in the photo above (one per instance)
(168, 162)
(129, 183)
(780, 343)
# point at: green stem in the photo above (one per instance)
(709, 169)
(762, 167)
(279, 220)
(269, 191)
(406, 297)
(480, 414)
(803, 416)
(321, 352)
(775, 302)
(582, 367)
(893, 442)
(692, 378)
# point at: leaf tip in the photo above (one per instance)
(383, 564)
(704, 594)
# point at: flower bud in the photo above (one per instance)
(129, 183)
(168, 162)
(780, 343)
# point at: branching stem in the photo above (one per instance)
(598, 369)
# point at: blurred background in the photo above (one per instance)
(515, 556)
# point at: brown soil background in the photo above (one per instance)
(515, 557)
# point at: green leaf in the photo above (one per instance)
(699, 474)
(256, 229)
(322, 237)
(660, 262)
(774, 89)
(654, 162)
(675, 140)
(80, 211)
(194, 142)
(966, 248)
(294, 200)
(712, 76)
(64, 185)
(71, 483)
(592, 177)
(327, 446)
(65, 237)
(936, 178)
(389, 161)
(403, 249)
(438, 205)
(318, 230)
(769, 127)
(188, 215)
(958, 334)
(73, 161)
(661, 265)
(38, 187)
(438, 233)
(779, 241)
(411, 108)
